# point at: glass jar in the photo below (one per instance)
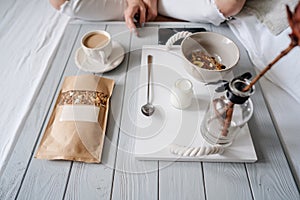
(227, 113)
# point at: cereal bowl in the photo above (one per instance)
(221, 49)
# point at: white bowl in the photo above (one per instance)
(224, 50)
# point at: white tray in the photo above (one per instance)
(168, 125)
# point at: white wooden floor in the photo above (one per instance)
(121, 176)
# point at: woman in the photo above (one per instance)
(210, 11)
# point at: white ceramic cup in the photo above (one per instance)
(97, 45)
(182, 94)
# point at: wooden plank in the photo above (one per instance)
(183, 177)
(94, 181)
(134, 179)
(270, 177)
(226, 181)
(12, 177)
(44, 175)
(284, 112)
(181, 180)
(199, 25)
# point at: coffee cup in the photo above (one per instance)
(97, 45)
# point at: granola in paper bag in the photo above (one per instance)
(77, 125)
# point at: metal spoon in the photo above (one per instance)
(148, 108)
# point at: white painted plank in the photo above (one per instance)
(199, 25)
(270, 177)
(94, 181)
(134, 179)
(285, 111)
(49, 176)
(229, 180)
(226, 181)
(194, 175)
(12, 176)
(181, 180)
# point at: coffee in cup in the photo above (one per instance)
(95, 40)
(97, 45)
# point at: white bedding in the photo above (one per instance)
(29, 33)
(263, 47)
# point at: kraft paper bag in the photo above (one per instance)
(77, 125)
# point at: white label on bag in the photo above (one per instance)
(84, 113)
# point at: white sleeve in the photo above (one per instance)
(191, 10)
(94, 10)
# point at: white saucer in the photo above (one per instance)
(89, 65)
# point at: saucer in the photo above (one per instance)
(86, 64)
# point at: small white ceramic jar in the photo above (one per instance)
(182, 94)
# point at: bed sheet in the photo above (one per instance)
(30, 31)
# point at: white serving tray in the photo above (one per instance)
(169, 125)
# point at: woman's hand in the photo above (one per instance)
(134, 7)
(145, 9)
(151, 6)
